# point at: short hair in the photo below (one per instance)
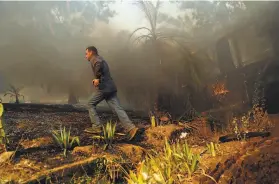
(92, 49)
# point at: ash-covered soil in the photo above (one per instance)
(30, 122)
(29, 130)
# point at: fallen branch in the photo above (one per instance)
(62, 170)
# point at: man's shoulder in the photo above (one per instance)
(100, 59)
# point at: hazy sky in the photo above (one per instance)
(129, 16)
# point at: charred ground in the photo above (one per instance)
(36, 154)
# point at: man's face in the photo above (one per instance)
(88, 54)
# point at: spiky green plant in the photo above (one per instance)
(183, 157)
(1, 109)
(64, 140)
(168, 167)
(108, 134)
(152, 170)
(3, 138)
(212, 148)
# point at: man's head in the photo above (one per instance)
(91, 52)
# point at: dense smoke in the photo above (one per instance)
(42, 48)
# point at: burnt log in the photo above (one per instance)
(234, 137)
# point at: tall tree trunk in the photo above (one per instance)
(73, 99)
(235, 51)
(17, 100)
(224, 56)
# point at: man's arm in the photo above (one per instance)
(98, 73)
(98, 70)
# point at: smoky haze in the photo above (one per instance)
(43, 43)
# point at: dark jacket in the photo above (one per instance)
(101, 71)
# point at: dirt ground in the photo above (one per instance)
(29, 131)
(23, 124)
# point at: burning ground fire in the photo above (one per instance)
(219, 89)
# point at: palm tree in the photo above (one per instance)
(154, 33)
(159, 36)
(151, 12)
(14, 92)
(190, 72)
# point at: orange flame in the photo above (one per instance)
(219, 88)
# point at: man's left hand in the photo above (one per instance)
(96, 82)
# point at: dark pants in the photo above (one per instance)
(114, 104)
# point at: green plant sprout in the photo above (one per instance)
(153, 121)
(64, 140)
(185, 158)
(108, 134)
(168, 167)
(212, 148)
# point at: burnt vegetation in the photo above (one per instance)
(201, 84)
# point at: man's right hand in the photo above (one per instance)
(95, 82)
